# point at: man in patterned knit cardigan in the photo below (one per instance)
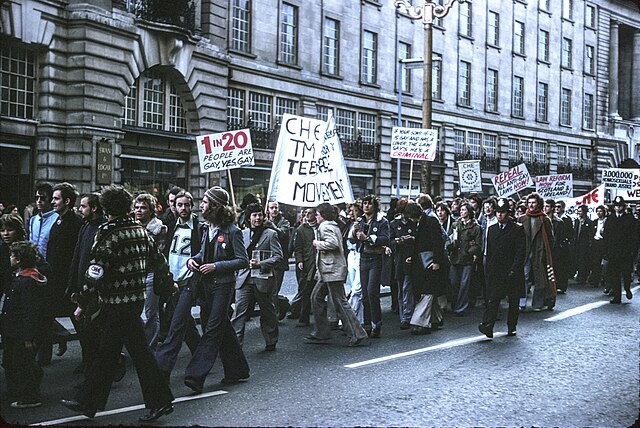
(121, 257)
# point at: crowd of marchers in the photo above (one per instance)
(128, 277)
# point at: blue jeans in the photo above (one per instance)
(370, 272)
(460, 280)
(405, 298)
(218, 338)
(152, 315)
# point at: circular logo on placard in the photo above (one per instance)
(470, 177)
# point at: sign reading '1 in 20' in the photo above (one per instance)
(225, 150)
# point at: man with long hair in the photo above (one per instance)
(221, 255)
(539, 233)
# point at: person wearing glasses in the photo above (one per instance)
(41, 223)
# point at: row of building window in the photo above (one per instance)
(330, 64)
(517, 97)
(263, 111)
(476, 145)
(466, 28)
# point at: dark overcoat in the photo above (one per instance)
(506, 253)
(429, 238)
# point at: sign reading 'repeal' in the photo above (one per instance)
(225, 150)
(555, 186)
(308, 166)
(512, 181)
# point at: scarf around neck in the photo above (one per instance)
(547, 248)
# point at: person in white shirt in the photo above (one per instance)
(598, 249)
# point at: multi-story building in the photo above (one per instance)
(102, 91)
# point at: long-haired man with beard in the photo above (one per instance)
(222, 254)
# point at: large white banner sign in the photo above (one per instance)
(512, 181)
(225, 150)
(592, 199)
(308, 166)
(621, 178)
(469, 176)
(555, 186)
(414, 143)
(629, 194)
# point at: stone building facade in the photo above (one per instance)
(102, 91)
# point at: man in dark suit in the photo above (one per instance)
(583, 232)
(60, 250)
(504, 272)
(621, 246)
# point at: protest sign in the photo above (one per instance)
(512, 181)
(619, 178)
(225, 150)
(414, 143)
(555, 186)
(308, 166)
(592, 199)
(469, 176)
(632, 194)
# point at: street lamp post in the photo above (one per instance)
(427, 12)
(403, 64)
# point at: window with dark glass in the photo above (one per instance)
(543, 45)
(369, 57)
(464, 83)
(517, 97)
(331, 47)
(493, 29)
(18, 78)
(241, 25)
(289, 34)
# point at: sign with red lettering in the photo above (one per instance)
(414, 143)
(512, 181)
(591, 199)
(555, 186)
(225, 150)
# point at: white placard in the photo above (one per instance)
(555, 186)
(512, 181)
(225, 150)
(470, 176)
(621, 178)
(414, 143)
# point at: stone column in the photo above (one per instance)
(635, 78)
(614, 55)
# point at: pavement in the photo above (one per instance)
(575, 366)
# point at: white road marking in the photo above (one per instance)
(445, 345)
(584, 308)
(127, 409)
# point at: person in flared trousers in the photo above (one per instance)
(331, 274)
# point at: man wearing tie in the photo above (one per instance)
(621, 245)
(504, 272)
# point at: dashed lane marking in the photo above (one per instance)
(127, 409)
(445, 345)
(584, 308)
